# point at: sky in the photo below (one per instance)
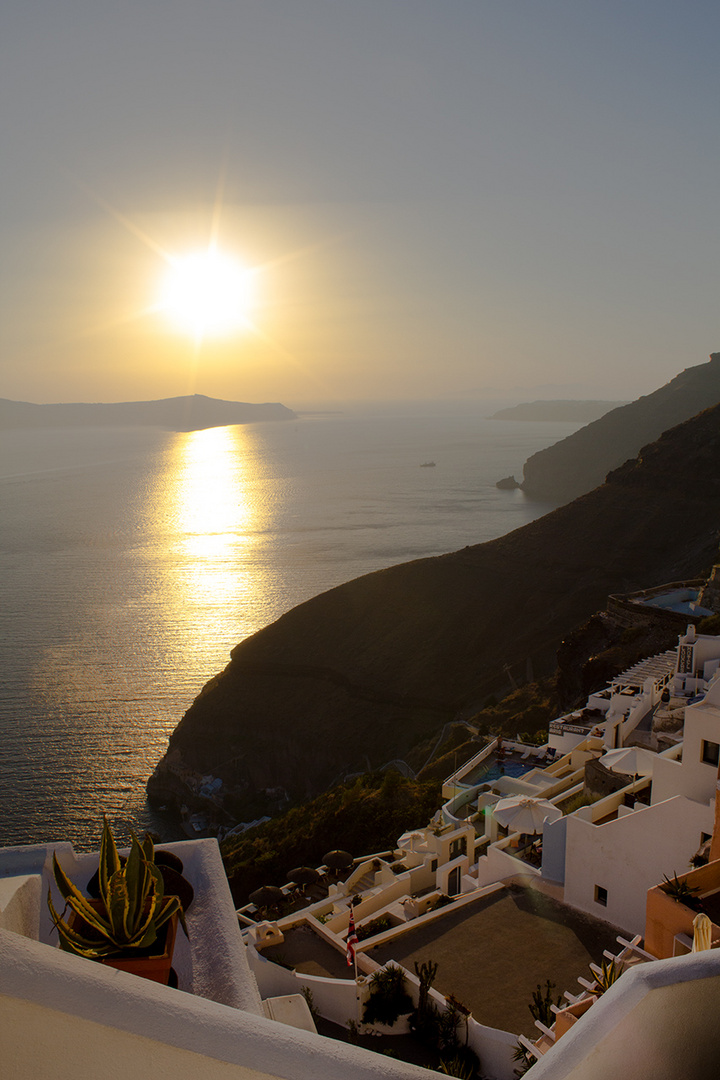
(431, 199)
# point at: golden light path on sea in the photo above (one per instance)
(215, 523)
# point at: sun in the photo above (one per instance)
(207, 294)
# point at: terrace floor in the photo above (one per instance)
(492, 954)
(307, 953)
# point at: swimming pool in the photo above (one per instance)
(491, 769)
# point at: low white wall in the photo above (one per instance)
(499, 864)
(212, 962)
(64, 1018)
(335, 999)
(493, 1047)
(657, 1022)
(20, 904)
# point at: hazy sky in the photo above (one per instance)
(437, 198)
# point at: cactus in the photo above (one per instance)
(132, 907)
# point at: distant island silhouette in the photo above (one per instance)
(192, 413)
(583, 411)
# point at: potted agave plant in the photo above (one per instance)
(133, 924)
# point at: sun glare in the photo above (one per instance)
(207, 294)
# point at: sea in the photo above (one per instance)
(133, 560)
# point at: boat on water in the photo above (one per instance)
(427, 465)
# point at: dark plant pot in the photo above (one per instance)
(177, 885)
(168, 858)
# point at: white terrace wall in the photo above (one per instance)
(626, 857)
(658, 1022)
(500, 864)
(493, 1047)
(62, 1018)
(335, 999)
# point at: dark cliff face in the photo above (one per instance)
(580, 462)
(355, 676)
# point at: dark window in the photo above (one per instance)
(710, 753)
(600, 895)
(433, 865)
(454, 881)
(458, 847)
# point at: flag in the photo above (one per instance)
(352, 939)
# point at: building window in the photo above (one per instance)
(711, 753)
(433, 865)
(600, 896)
(458, 847)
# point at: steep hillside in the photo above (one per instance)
(580, 462)
(363, 816)
(354, 677)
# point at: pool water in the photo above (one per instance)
(491, 769)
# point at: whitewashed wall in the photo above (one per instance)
(62, 1018)
(630, 855)
(658, 1022)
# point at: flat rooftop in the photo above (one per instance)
(493, 953)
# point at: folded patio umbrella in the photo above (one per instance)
(525, 813)
(702, 933)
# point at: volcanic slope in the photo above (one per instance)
(355, 676)
(580, 462)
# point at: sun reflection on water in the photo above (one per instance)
(215, 521)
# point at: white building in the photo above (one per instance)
(615, 852)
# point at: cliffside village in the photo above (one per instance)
(588, 867)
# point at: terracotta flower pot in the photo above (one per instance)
(153, 963)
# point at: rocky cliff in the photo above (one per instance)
(580, 462)
(355, 676)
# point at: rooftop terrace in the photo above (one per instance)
(513, 939)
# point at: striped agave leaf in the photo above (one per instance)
(132, 896)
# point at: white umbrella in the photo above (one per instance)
(524, 813)
(702, 931)
(635, 760)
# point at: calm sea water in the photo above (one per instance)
(132, 561)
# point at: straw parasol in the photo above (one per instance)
(525, 813)
(303, 876)
(338, 859)
(267, 896)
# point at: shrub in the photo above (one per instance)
(680, 890)
(389, 998)
(375, 926)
